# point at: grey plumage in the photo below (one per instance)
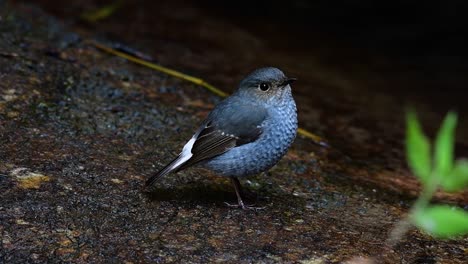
(245, 134)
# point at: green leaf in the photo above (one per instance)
(457, 179)
(442, 221)
(417, 148)
(443, 148)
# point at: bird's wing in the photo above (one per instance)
(232, 123)
(228, 126)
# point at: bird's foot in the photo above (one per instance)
(240, 202)
(244, 206)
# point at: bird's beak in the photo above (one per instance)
(288, 81)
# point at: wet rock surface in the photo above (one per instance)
(81, 130)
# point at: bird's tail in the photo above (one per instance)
(172, 166)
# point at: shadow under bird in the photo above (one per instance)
(245, 134)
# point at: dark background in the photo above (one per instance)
(426, 40)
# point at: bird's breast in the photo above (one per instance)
(280, 128)
(278, 133)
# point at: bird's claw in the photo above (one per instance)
(244, 207)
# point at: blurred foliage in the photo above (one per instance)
(442, 221)
(436, 170)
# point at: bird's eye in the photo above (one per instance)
(264, 86)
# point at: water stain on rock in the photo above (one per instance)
(27, 179)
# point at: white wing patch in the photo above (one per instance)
(186, 153)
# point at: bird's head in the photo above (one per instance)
(266, 84)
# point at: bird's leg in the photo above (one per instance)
(237, 187)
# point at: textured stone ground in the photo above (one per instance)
(81, 130)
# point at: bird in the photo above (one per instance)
(245, 134)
